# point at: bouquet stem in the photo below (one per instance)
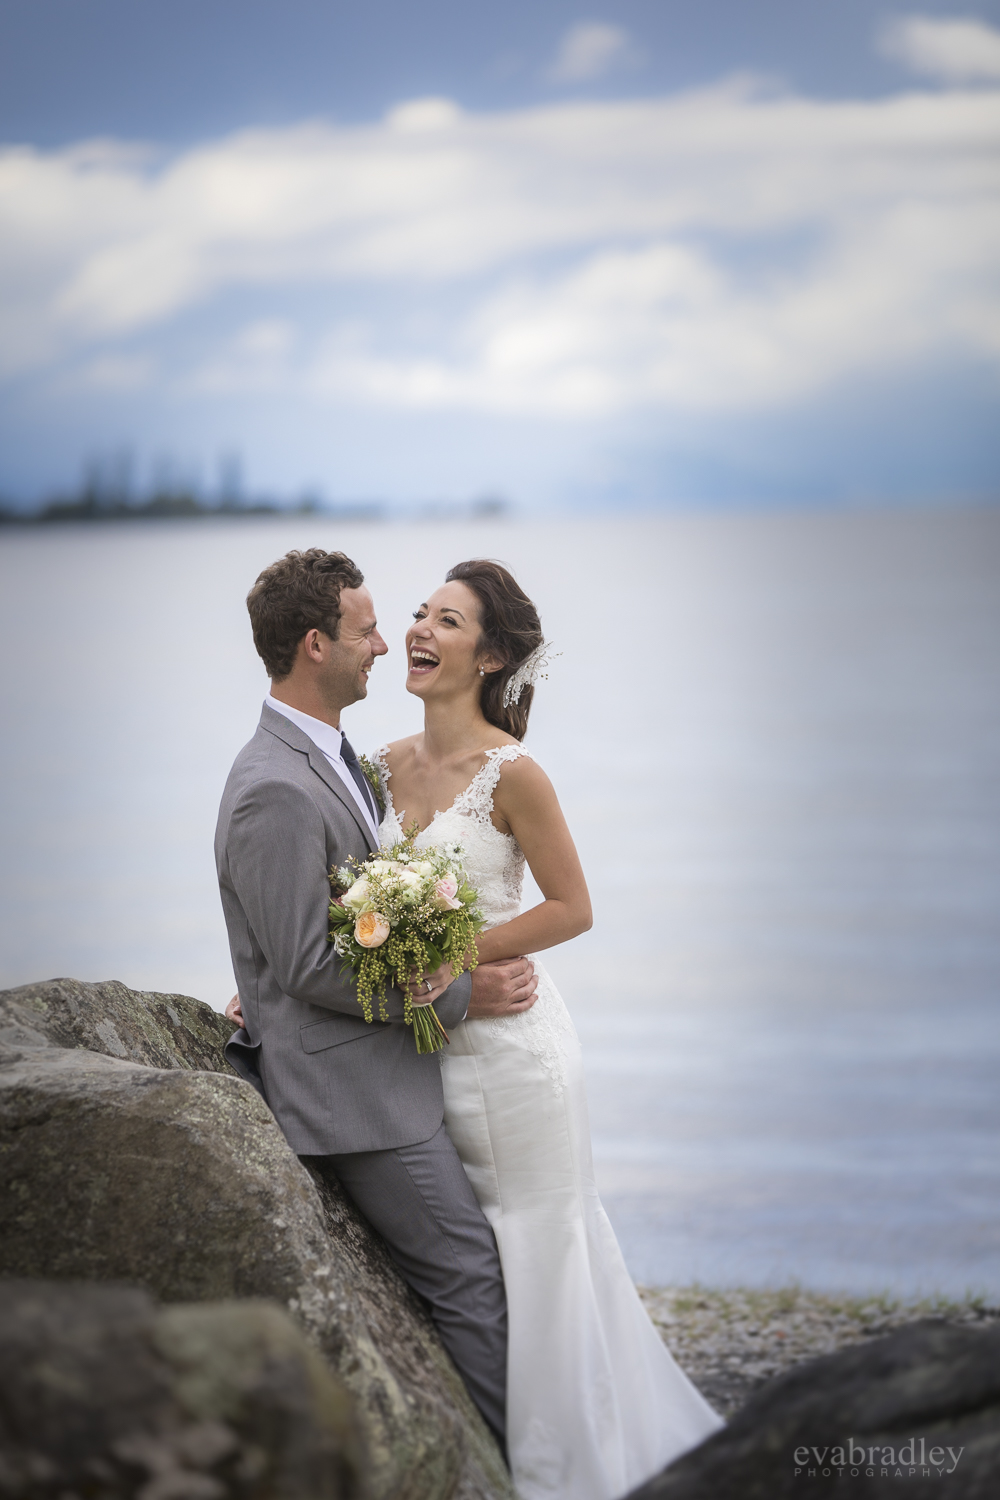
(430, 1035)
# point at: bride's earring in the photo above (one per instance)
(481, 672)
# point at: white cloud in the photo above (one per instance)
(259, 358)
(959, 50)
(424, 114)
(588, 50)
(663, 327)
(117, 372)
(592, 255)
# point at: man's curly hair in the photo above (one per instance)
(299, 592)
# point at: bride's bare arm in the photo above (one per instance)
(526, 805)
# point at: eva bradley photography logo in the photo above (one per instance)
(912, 1459)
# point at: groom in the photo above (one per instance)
(357, 1095)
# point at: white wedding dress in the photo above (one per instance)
(595, 1403)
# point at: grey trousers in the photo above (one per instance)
(420, 1201)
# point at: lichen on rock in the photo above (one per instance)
(162, 1031)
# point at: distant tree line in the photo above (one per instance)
(92, 505)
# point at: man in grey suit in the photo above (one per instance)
(359, 1095)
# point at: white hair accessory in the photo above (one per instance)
(527, 674)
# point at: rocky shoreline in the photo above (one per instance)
(188, 1311)
(729, 1343)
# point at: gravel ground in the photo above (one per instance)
(731, 1342)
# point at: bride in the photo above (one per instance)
(595, 1403)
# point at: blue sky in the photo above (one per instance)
(637, 254)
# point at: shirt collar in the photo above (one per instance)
(326, 736)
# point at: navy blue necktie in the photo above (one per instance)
(351, 762)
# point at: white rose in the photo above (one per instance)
(356, 897)
(410, 888)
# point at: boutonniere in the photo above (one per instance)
(374, 780)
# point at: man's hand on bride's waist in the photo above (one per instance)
(505, 987)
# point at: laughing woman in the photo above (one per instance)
(595, 1403)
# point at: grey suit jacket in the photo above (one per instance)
(334, 1082)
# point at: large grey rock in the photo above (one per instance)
(106, 1395)
(178, 1180)
(162, 1031)
(932, 1385)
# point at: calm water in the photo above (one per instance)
(777, 739)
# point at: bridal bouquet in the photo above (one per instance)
(400, 913)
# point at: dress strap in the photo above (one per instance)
(477, 799)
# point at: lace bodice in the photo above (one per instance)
(493, 860)
(494, 863)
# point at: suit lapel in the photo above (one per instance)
(326, 773)
(292, 735)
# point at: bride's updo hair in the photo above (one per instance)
(511, 630)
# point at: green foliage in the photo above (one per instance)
(374, 780)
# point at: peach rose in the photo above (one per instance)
(371, 929)
(445, 892)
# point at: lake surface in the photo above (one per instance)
(777, 740)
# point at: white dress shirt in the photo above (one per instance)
(330, 740)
